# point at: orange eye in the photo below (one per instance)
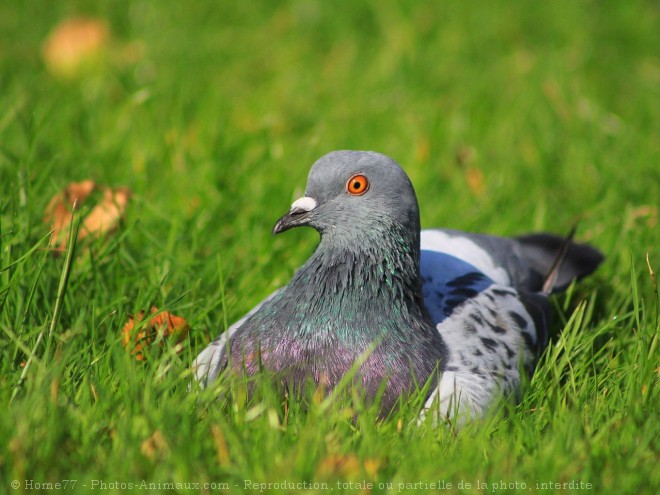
(357, 185)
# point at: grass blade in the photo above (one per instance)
(59, 301)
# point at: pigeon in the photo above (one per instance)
(398, 306)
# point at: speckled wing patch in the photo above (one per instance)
(447, 282)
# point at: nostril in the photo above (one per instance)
(297, 212)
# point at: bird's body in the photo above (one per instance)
(464, 310)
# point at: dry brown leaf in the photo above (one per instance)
(372, 466)
(345, 466)
(475, 180)
(103, 218)
(465, 156)
(650, 212)
(74, 44)
(155, 446)
(59, 211)
(164, 324)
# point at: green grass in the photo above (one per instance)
(212, 114)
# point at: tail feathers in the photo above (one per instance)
(560, 259)
(553, 273)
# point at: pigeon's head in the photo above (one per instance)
(353, 193)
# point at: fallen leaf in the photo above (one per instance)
(645, 211)
(155, 446)
(59, 211)
(345, 466)
(163, 324)
(465, 156)
(372, 466)
(75, 44)
(103, 218)
(475, 180)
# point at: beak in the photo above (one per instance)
(298, 215)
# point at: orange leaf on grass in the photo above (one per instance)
(155, 447)
(337, 465)
(60, 207)
(466, 158)
(475, 180)
(103, 218)
(163, 324)
(75, 44)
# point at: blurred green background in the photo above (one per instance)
(509, 116)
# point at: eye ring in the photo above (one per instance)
(357, 185)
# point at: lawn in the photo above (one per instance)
(509, 117)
